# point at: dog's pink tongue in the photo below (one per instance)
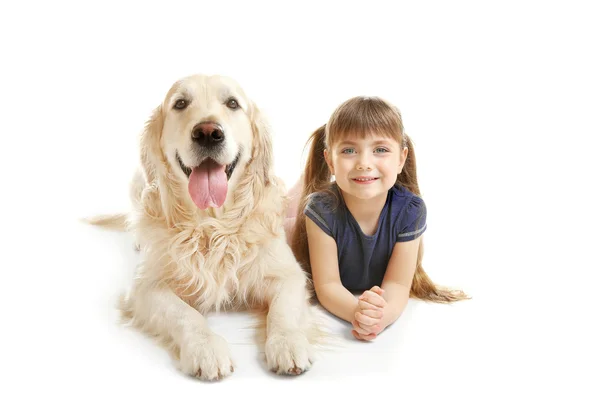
(208, 185)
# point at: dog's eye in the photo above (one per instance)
(233, 104)
(180, 104)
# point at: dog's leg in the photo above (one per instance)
(202, 353)
(287, 348)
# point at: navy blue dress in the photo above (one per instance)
(363, 259)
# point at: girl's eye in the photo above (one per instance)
(348, 151)
(381, 150)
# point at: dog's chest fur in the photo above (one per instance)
(211, 261)
(210, 266)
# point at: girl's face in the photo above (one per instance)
(366, 167)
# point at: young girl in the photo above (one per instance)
(362, 233)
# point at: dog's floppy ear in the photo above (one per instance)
(150, 152)
(262, 147)
(155, 166)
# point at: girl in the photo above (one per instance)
(362, 232)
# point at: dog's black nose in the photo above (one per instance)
(208, 133)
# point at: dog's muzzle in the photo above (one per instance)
(228, 169)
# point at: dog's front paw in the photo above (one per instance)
(288, 352)
(206, 356)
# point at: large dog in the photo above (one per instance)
(208, 217)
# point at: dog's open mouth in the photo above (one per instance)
(207, 182)
(228, 168)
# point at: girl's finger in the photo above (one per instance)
(365, 320)
(371, 329)
(372, 298)
(359, 329)
(364, 305)
(363, 337)
(375, 314)
(369, 336)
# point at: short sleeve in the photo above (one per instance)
(318, 210)
(414, 220)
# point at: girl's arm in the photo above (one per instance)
(326, 274)
(398, 280)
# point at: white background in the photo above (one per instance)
(500, 98)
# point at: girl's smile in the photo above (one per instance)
(364, 180)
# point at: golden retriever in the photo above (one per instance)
(208, 216)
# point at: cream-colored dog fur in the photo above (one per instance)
(232, 257)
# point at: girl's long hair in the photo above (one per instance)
(361, 117)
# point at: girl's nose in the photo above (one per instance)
(364, 162)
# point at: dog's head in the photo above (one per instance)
(205, 135)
